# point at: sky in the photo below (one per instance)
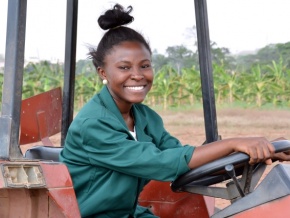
(240, 25)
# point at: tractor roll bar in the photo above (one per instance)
(205, 64)
(69, 67)
(13, 77)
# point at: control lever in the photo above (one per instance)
(231, 172)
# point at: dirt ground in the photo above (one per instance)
(188, 126)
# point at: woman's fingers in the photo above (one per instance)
(282, 156)
(261, 151)
(268, 161)
(278, 139)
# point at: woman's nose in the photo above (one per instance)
(137, 75)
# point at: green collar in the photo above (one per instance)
(109, 103)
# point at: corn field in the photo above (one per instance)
(263, 84)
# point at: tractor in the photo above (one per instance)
(36, 184)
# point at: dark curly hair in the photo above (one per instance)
(113, 21)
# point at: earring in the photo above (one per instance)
(105, 81)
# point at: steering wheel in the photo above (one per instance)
(209, 173)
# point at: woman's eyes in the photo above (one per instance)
(124, 67)
(128, 67)
(145, 66)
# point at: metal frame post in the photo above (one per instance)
(69, 67)
(13, 79)
(205, 63)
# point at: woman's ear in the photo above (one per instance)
(101, 73)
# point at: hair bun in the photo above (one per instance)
(115, 17)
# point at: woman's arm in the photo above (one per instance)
(258, 148)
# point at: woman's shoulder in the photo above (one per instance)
(147, 111)
(92, 109)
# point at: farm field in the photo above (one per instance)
(188, 126)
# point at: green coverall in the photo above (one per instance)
(109, 168)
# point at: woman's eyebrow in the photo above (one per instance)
(129, 62)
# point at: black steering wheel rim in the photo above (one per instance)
(208, 169)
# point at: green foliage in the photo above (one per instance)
(86, 85)
(251, 80)
(41, 77)
(225, 84)
(256, 86)
(178, 57)
(159, 61)
(222, 56)
(272, 52)
(44, 76)
(190, 87)
(165, 86)
(263, 85)
(1, 83)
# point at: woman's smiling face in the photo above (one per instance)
(129, 73)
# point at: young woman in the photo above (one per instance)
(116, 145)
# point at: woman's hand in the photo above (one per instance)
(282, 156)
(258, 148)
(261, 150)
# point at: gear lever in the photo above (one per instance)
(231, 172)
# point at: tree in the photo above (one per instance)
(284, 52)
(245, 61)
(265, 55)
(180, 57)
(268, 54)
(158, 60)
(222, 56)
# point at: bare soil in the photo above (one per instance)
(188, 127)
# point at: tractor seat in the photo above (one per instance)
(43, 153)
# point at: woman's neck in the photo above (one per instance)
(127, 113)
(129, 120)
